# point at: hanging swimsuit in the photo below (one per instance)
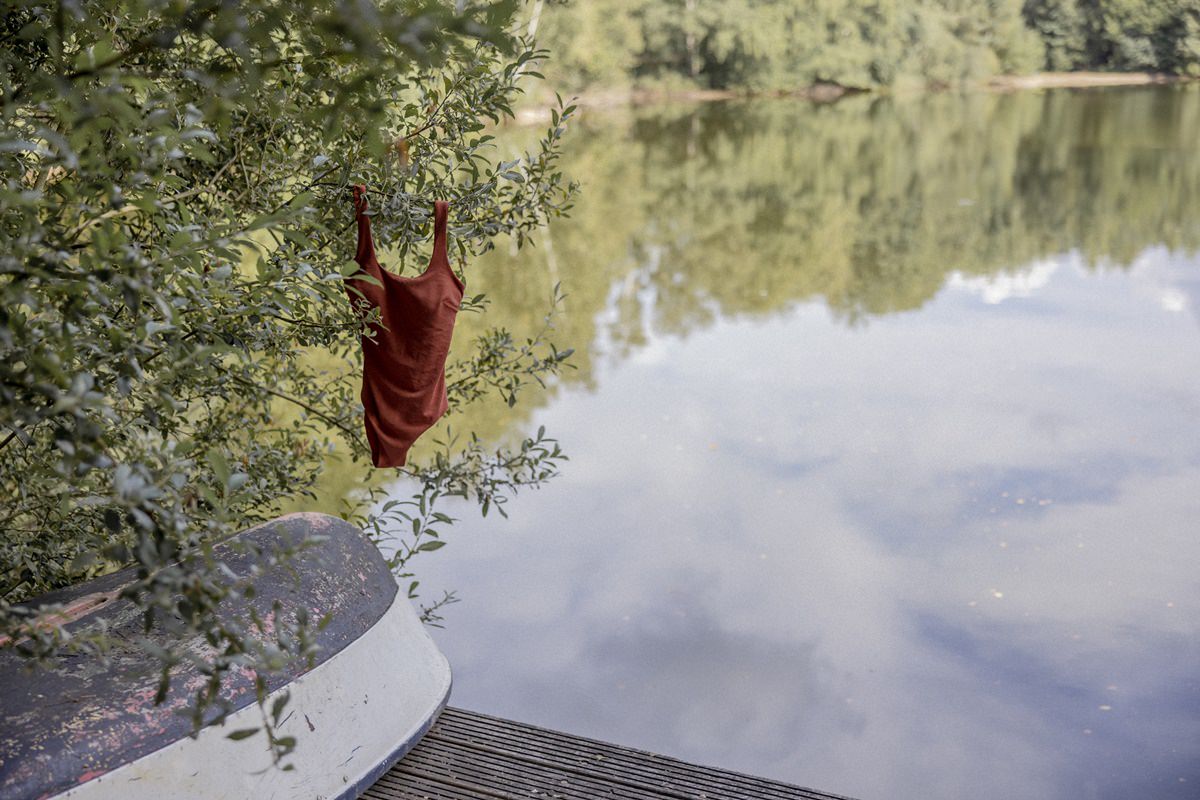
(404, 365)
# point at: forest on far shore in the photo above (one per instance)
(768, 45)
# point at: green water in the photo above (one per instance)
(885, 460)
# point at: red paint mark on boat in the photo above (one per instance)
(72, 612)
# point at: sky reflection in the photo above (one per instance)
(948, 553)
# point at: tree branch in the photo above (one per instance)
(298, 402)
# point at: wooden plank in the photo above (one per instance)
(472, 756)
(668, 777)
(585, 753)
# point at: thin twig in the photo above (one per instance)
(296, 401)
(429, 122)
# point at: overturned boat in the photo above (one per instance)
(84, 730)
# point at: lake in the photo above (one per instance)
(884, 448)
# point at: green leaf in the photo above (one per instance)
(91, 57)
(83, 561)
(278, 706)
(220, 466)
(244, 733)
(367, 278)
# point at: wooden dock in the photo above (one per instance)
(470, 755)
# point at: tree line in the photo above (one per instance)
(767, 45)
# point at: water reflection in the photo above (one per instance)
(884, 449)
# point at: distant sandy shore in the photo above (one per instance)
(1079, 80)
(827, 93)
(608, 98)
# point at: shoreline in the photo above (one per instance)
(830, 93)
(612, 98)
(1081, 80)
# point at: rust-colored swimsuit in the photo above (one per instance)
(404, 365)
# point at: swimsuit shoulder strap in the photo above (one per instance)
(441, 211)
(366, 243)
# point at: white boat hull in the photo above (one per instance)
(87, 729)
(353, 717)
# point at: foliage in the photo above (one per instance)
(790, 44)
(175, 222)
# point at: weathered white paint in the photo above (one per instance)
(372, 700)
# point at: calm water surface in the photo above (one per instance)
(885, 457)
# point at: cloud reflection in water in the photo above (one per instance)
(896, 496)
(927, 568)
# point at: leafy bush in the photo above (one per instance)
(174, 219)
